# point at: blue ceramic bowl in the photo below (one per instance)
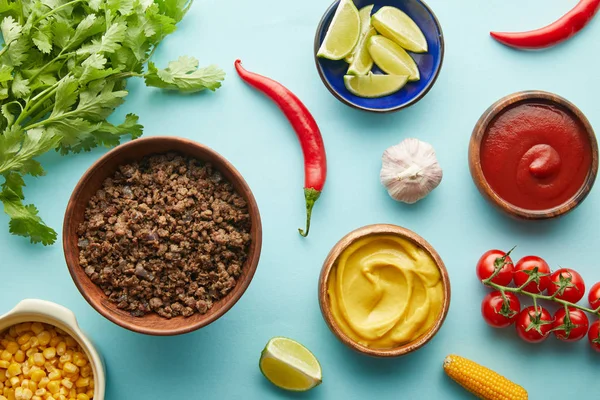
(430, 63)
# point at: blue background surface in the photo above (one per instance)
(275, 38)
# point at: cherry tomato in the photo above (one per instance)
(594, 296)
(524, 269)
(570, 329)
(534, 326)
(594, 335)
(500, 313)
(491, 260)
(568, 283)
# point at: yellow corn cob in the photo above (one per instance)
(482, 382)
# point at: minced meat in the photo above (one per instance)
(168, 234)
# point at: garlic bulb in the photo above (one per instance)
(410, 170)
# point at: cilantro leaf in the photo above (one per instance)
(185, 76)
(14, 181)
(24, 219)
(20, 87)
(5, 73)
(109, 135)
(66, 96)
(109, 42)
(99, 100)
(42, 38)
(35, 143)
(11, 30)
(62, 33)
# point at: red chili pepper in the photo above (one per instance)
(315, 163)
(555, 33)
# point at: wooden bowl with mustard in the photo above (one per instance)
(384, 291)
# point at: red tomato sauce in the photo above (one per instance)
(536, 156)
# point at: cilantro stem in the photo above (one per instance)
(5, 48)
(58, 57)
(42, 113)
(536, 296)
(49, 92)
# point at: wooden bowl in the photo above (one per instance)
(92, 180)
(481, 129)
(330, 263)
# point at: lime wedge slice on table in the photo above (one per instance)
(399, 27)
(373, 86)
(362, 61)
(392, 59)
(343, 33)
(289, 365)
(365, 25)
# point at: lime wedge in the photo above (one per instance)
(374, 85)
(365, 26)
(396, 25)
(362, 61)
(343, 33)
(392, 59)
(289, 365)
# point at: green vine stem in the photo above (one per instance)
(535, 296)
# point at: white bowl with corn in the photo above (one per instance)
(44, 355)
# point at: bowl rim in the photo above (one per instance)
(329, 264)
(480, 129)
(423, 93)
(72, 264)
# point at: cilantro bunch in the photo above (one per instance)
(63, 69)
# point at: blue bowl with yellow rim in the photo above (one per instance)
(430, 63)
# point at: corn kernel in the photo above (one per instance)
(22, 328)
(14, 381)
(49, 353)
(12, 332)
(44, 338)
(82, 382)
(67, 383)
(86, 371)
(80, 396)
(53, 387)
(4, 364)
(24, 338)
(39, 359)
(2, 397)
(70, 368)
(43, 382)
(55, 375)
(12, 347)
(61, 348)
(6, 356)
(79, 359)
(20, 356)
(14, 369)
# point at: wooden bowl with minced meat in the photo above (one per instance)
(162, 236)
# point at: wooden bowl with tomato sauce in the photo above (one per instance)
(534, 155)
(331, 264)
(92, 181)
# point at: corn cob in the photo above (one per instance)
(482, 382)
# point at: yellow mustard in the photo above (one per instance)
(385, 291)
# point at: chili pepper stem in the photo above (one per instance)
(311, 195)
